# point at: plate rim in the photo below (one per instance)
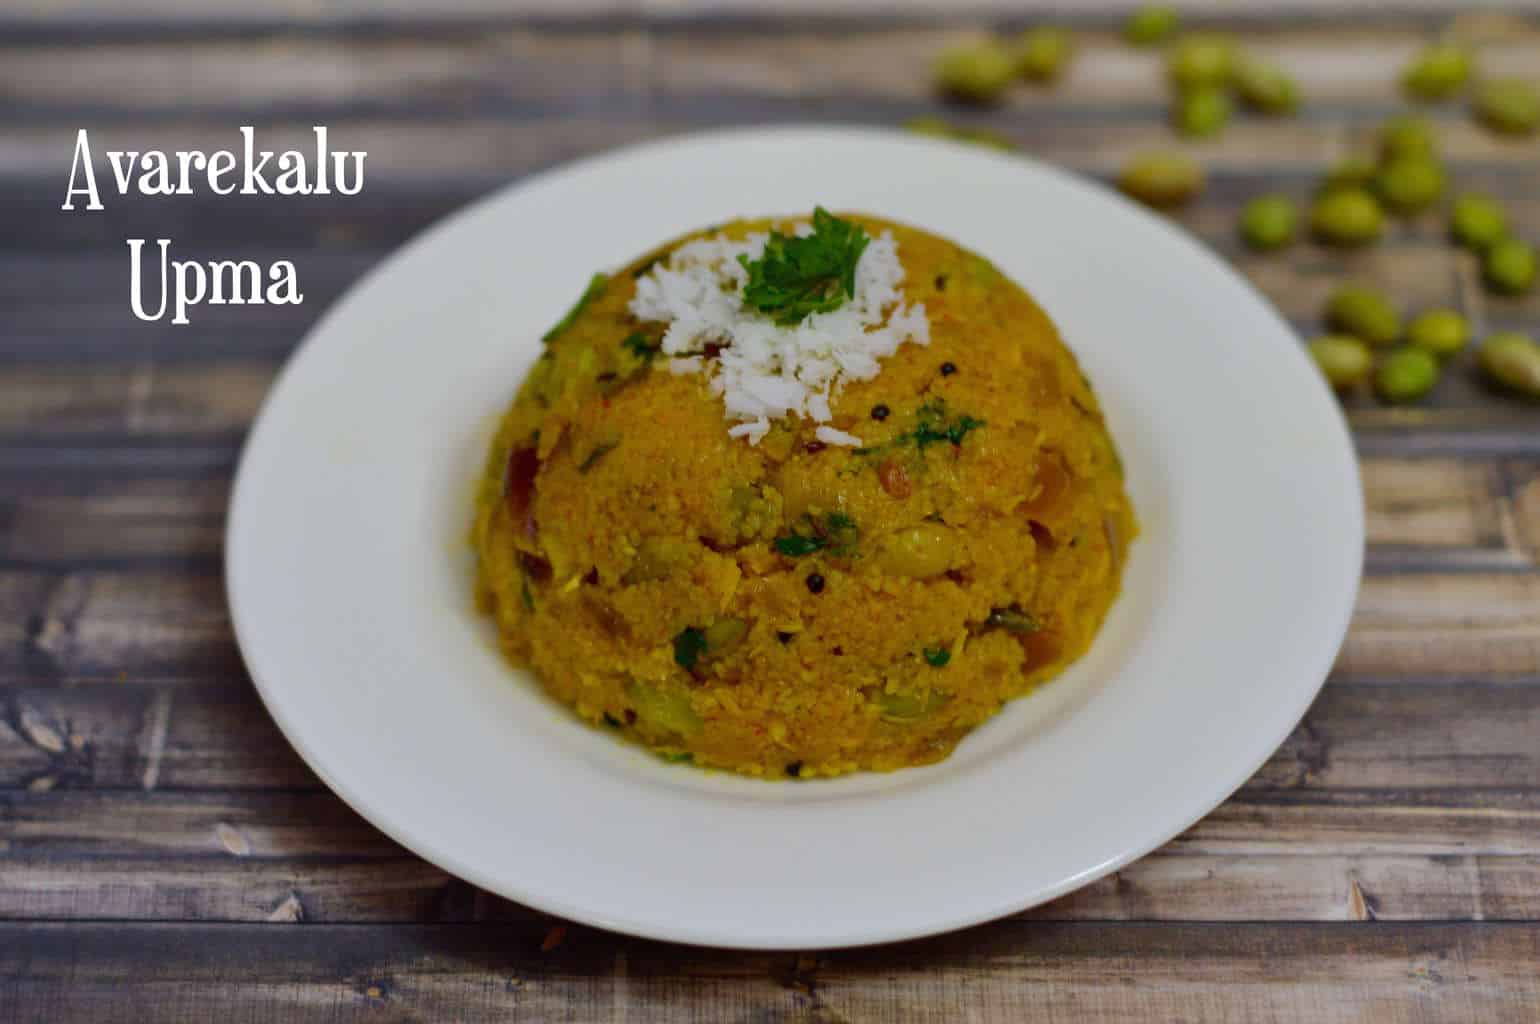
(838, 936)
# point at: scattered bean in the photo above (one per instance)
(1507, 105)
(1150, 24)
(1407, 135)
(1265, 87)
(1162, 179)
(1406, 375)
(1364, 313)
(975, 72)
(1410, 184)
(1043, 53)
(1509, 266)
(1477, 221)
(1344, 361)
(1201, 59)
(1512, 360)
(1443, 332)
(1268, 222)
(1346, 216)
(1437, 73)
(1201, 112)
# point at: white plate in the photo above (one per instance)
(348, 564)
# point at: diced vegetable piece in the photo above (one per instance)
(664, 710)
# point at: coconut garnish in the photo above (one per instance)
(789, 318)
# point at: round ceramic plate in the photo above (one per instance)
(350, 587)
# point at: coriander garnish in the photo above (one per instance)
(640, 346)
(689, 645)
(932, 425)
(836, 533)
(800, 275)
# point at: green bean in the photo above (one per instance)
(1200, 59)
(1509, 267)
(1150, 24)
(1443, 332)
(1406, 375)
(1407, 135)
(1162, 179)
(1437, 73)
(1343, 360)
(1410, 184)
(1201, 112)
(1043, 53)
(1512, 360)
(1346, 216)
(1268, 222)
(1510, 106)
(1264, 87)
(1364, 313)
(1477, 221)
(975, 72)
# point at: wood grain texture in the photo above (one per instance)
(164, 854)
(1011, 970)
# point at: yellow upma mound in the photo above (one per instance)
(795, 607)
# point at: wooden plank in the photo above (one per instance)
(1011, 970)
(1290, 887)
(566, 69)
(1434, 502)
(1521, 513)
(1364, 823)
(60, 824)
(328, 74)
(1368, 736)
(68, 519)
(132, 736)
(232, 889)
(63, 823)
(148, 625)
(1161, 887)
(1425, 626)
(262, 824)
(217, 736)
(140, 400)
(249, 857)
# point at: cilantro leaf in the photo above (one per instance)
(836, 533)
(798, 276)
(641, 346)
(795, 545)
(932, 425)
(689, 645)
(937, 657)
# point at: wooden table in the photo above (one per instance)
(164, 854)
